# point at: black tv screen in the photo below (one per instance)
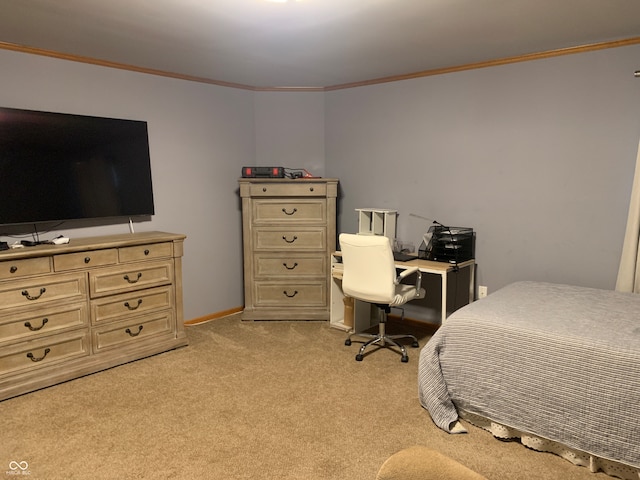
(58, 166)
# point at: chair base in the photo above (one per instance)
(383, 340)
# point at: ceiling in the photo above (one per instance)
(310, 43)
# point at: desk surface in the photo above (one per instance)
(428, 266)
(425, 266)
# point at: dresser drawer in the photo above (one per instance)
(289, 265)
(295, 188)
(145, 252)
(297, 211)
(11, 269)
(135, 330)
(44, 352)
(128, 278)
(37, 291)
(120, 306)
(290, 294)
(46, 321)
(75, 261)
(290, 239)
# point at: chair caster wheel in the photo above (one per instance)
(415, 345)
(347, 342)
(359, 358)
(404, 359)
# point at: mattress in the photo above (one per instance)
(556, 362)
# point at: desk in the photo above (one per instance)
(362, 317)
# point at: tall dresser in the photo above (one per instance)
(289, 232)
(70, 310)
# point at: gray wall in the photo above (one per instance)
(200, 136)
(537, 157)
(290, 130)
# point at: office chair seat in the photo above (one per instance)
(370, 275)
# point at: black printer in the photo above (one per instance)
(448, 244)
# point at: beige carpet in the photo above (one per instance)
(261, 400)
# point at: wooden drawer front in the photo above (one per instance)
(128, 278)
(95, 258)
(298, 211)
(293, 294)
(283, 266)
(44, 352)
(119, 306)
(71, 287)
(48, 320)
(288, 189)
(119, 334)
(24, 267)
(282, 239)
(145, 252)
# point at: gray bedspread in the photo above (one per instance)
(557, 361)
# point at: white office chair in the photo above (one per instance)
(370, 275)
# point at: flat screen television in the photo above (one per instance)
(57, 166)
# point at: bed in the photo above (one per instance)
(556, 366)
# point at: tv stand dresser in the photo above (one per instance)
(94, 303)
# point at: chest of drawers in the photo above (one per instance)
(70, 310)
(289, 231)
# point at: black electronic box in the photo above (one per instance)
(262, 172)
(449, 244)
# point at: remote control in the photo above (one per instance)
(60, 240)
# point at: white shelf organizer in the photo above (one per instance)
(377, 221)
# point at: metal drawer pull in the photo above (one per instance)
(35, 329)
(290, 268)
(126, 304)
(87, 259)
(146, 252)
(292, 212)
(37, 359)
(132, 334)
(289, 241)
(126, 277)
(295, 292)
(29, 297)
(13, 269)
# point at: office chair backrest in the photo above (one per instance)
(369, 268)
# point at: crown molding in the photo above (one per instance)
(492, 63)
(375, 81)
(120, 66)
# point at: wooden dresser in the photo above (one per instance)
(289, 232)
(74, 309)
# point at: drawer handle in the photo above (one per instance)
(295, 292)
(13, 269)
(38, 359)
(126, 277)
(134, 334)
(311, 189)
(35, 329)
(290, 268)
(146, 251)
(126, 304)
(289, 241)
(292, 212)
(87, 259)
(264, 189)
(29, 297)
